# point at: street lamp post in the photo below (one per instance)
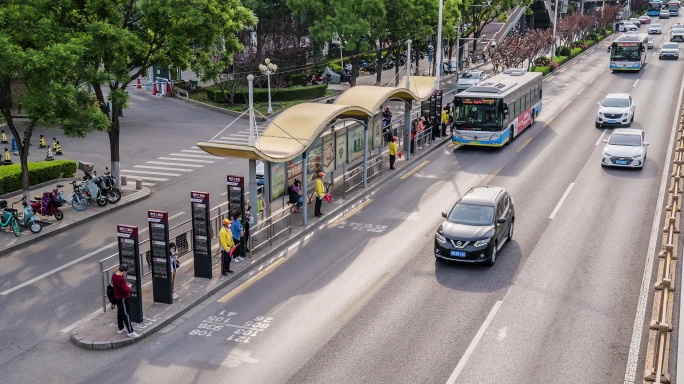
(267, 70)
(439, 43)
(555, 21)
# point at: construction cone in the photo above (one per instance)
(154, 90)
(58, 149)
(15, 149)
(3, 137)
(42, 144)
(7, 159)
(168, 89)
(138, 86)
(49, 157)
(54, 143)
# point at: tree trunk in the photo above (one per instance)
(355, 69)
(114, 131)
(378, 66)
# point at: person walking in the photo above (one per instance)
(393, 149)
(226, 240)
(238, 232)
(174, 265)
(320, 192)
(122, 291)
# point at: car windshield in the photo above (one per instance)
(625, 140)
(670, 46)
(615, 103)
(470, 75)
(678, 30)
(656, 26)
(470, 214)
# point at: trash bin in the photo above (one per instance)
(193, 84)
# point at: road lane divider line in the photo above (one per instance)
(549, 121)
(351, 212)
(566, 104)
(563, 70)
(654, 53)
(491, 176)
(635, 83)
(562, 200)
(250, 281)
(580, 91)
(415, 169)
(523, 145)
(551, 77)
(473, 344)
(69, 264)
(361, 301)
(600, 138)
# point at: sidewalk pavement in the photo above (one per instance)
(72, 217)
(100, 331)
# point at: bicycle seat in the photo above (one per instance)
(60, 186)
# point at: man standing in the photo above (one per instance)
(320, 192)
(226, 239)
(122, 291)
(238, 233)
(393, 151)
(445, 119)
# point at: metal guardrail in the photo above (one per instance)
(657, 357)
(352, 178)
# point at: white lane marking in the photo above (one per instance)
(195, 147)
(600, 138)
(176, 164)
(163, 168)
(193, 151)
(189, 155)
(635, 83)
(223, 193)
(69, 264)
(654, 53)
(143, 177)
(560, 203)
(149, 172)
(191, 160)
(471, 348)
(635, 345)
(148, 184)
(72, 326)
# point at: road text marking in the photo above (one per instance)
(351, 212)
(560, 203)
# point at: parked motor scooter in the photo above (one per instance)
(107, 186)
(28, 220)
(48, 204)
(92, 190)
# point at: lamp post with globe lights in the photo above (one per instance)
(268, 69)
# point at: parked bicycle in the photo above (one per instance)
(77, 200)
(8, 218)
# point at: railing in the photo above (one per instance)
(278, 223)
(657, 358)
(353, 178)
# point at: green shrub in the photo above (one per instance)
(601, 37)
(592, 36)
(575, 51)
(39, 172)
(563, 51)
(590, 43)
(543, 69)
(297, 92)
(561, 59)
(544, 60)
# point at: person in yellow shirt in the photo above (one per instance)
(393, 148)
(445, 120)
(320, 192)
(226, 239)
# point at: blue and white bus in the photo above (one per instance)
(673, 7)
(628, 52)
(654, 7)
(496, 110)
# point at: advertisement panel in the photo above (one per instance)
(341, 147)
(315, 160)
(294, 170)
(329, 153)
(278, 186)
(377, 131)
(129, 251)
(201, 230)
(158, 222)
(355, 142)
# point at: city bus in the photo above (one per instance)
(628, 52)
(654, 8)
(496, 110)
(673, 7)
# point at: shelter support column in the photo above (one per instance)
(268, 192)
(365, 153)
(253, 191)
(305, 191)
(407, 129)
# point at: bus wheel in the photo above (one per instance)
(532, 123)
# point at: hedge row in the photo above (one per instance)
(39, 172)
(545, 70)
(575, 51)
(261, 94)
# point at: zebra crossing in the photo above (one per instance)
(172, 165)
(241, 137)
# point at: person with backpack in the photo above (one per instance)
(122, 291)
(226, 240)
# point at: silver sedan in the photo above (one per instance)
(626, 147)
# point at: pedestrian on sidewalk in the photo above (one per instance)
(295, 195)
(248, 224)
(122, 291)
(238, 232)
(420, 130)
(174, 265)
(393, 151)
(414, 128)
(320, 192)
(226, 240)
(445, 119)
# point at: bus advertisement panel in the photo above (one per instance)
(628, 53)
(493, 112)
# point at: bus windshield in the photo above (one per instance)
(479, 117)
(654, 6)
(622, 53)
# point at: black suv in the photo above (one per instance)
(478, 225)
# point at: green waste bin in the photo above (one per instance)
(193, 84)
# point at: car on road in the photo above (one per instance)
(616, 109)
(676, 25)
(650, 42)
(635, 21)
(655, 29)
(669, 51)
(469, 78)
(644, 20)
(677, 34)
(477, 226)
(664, 14)
(626, 147)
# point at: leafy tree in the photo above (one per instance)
(41, 71)
(479, 13)
(538, 42)
(607, 16)
(128, 37)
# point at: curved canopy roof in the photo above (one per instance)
(294, 130)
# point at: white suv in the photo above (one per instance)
(617, 109)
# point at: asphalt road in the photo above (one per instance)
(355, 305)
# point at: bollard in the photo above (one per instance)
(138, 184)
(124, 181)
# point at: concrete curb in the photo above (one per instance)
(277, 252)
(47, 232)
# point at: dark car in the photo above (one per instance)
(477, 226)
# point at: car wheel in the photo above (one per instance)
(492, 257)
(598, 125)
(510, 229)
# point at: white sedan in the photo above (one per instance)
(626, 147)
(655, 29)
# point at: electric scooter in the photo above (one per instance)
(8, 218)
